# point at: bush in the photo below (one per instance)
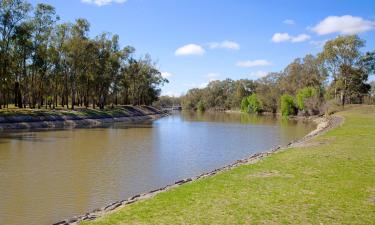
(201, 107)
(251, 104)
(305, 94)
(288, 107)
(244, 105)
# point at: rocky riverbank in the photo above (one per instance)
(323, 124)
(56, 119)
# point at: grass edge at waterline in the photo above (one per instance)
(328, 180)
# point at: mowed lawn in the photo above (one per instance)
(330, 181)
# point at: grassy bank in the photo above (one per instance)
(331, 180)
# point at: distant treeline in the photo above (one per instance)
(47, 63)
(337, 75)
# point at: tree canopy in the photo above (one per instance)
(45, 62)
(339, 73)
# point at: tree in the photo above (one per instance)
(252, 104)
(306, 72)
(43, 25)
(303, 95)
(342, 58)
(12, 14)
(42, 63)
(268, 90)
(288, 107)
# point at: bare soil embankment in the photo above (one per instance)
(80, 118)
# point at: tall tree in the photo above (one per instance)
(342, 57)
(12, 14)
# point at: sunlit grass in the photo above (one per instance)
(330, 182)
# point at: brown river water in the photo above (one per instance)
(48, 176)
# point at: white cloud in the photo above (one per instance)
(166, 74)
(283, 37)
(344, 25)
(225, 45)
(190, 49)
(253, 63)
(103, 2)
(280, 37)
(257, 74)
(289, 22)
(300, 38)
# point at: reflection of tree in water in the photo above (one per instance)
(242, 118)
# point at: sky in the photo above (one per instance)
(197, 41)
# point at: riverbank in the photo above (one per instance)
(326, 180)
(51, 119)
(113, 218)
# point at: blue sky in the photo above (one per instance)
(195, 41)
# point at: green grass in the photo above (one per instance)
(330, 181)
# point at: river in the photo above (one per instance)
(47, 176)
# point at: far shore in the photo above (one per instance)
(19, 119)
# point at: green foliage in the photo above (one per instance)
(201, 107)
(251, 104)
(303, 95)
(41, 58)
(244, 105)
(288, 107)
(225, 94)
(348, 66)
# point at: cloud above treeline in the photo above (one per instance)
(231, 45)
(343, 25)
(284, 37)
(253, 63)
(190, 49)
(197, 49)
(103, 2)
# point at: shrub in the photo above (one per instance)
(305, 94)
(288, 107)
(251, 104)
(201, 107)
(255, 105)
(244, 105)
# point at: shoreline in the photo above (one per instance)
(324, 124)
(37, 122)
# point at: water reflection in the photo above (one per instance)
(51, 175)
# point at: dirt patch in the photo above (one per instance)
(317, 143)
(324, 124)
(371, 199)
(272, 173)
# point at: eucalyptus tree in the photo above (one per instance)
(22, 51)
(76, 48)
(305, 72)
(43, 24)
(12, 14)
(269, 91)
(58, 57)
(42, 62)
(342, 57)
